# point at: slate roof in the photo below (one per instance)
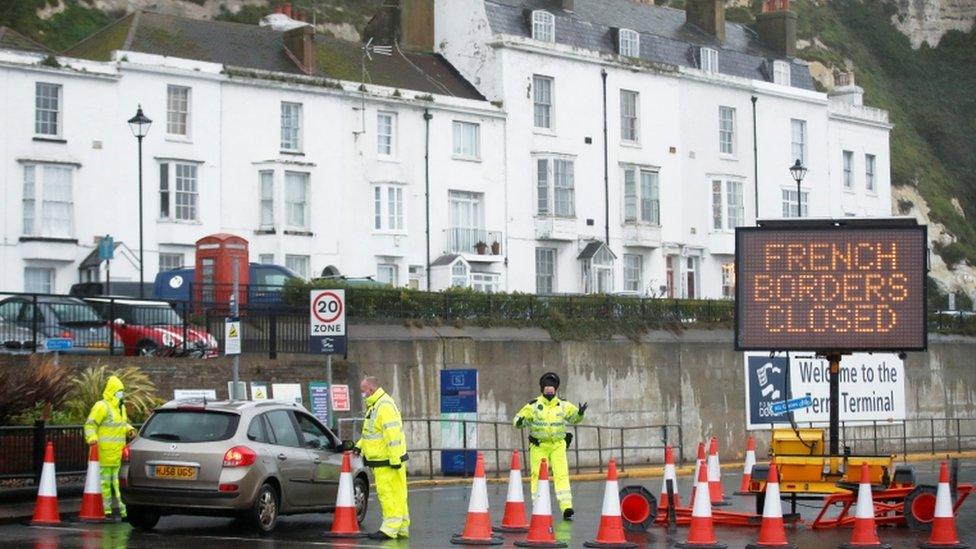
(445, 259)
(9, 38)
(665, 37)
(591, 249)
(262, 48)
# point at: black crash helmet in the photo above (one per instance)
(549, 379)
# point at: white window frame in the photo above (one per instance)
(542, 103)
(266, 259)
(798, 141)
(292, 207)
(788, 200)
(291, 126)
(266, 199)
(870, 173)
(483, 282)
(727, 130)
(546, 189)
(546, 257)
(47, 287)
(728, 203)
(628, 43)
(728, 280)
(386, 134)
(42, 106)
(169, 261)
(175, 190)
(638, 207)
(708, 60)
(178, 111)
(392, 273)
(290, 262)
(847, 160)
(40, 202)
(630, 121)
(691, 265)
(464, 147)
(466, 220)
(460, 272)
(388, 208)
(543, 26)
(781, 73)
(634, 273)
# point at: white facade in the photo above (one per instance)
(204, 172)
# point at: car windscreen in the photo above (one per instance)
(75, 313)
(154, 315)
(190, 426)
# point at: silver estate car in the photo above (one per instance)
(254, 460)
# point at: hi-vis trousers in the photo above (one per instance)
(391, 489)
(555, 454)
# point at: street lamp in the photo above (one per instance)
(799, 172)
(139, 124)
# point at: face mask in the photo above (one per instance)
(365, 396)
(119, 394)
(549, 393)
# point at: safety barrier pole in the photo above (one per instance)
(932, 433)
(498, 467)
(904, 441)
(621, 449)
(430, 451)
(874, 427)
(464, 447)
(599, 446)
(577, 439)
(958, 436)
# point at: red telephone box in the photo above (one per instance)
(214, 273)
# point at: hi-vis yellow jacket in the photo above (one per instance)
(383, 442)
(108, 424)
(547, 419)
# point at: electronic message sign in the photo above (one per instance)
(831, 286)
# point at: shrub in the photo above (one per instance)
(87, 388)
(31, 389)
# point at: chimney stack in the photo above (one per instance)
(845, 90)
(286, 9)
(300, 43)
(568, 5)
(777, 27)
(708, 15)
(417, 24)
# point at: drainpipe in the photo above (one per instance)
(427, 117)
(755, 157)
(606, 160)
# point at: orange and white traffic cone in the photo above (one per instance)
(46, 508)
(92, 505)
(699, 463)
(611, 532)
(772, 533)
(514, 519)
(715, 491)
(669, 474)
(747, 467)
(540, 527)
(865, 529)
(344, 521)
(944, 534)
(477, 527)
(702, 533)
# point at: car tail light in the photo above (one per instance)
(239, 456)
(67, 335)
(125, 454)
(228, 487)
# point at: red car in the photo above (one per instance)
(153, 328)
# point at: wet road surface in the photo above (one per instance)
(439, 512)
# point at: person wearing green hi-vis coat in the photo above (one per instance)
(108, 426)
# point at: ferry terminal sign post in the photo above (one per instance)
(327, 329)
(833, 287)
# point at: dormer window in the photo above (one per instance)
(781, 73)
(629, 43)
(543, 26)
(708, 60)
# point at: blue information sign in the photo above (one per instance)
(459, 391)
(459, 402)
(766, 379)
(790, 405)
(58, 344)
(318, 394)
(106, 248)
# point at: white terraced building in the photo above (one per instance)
(484, 126)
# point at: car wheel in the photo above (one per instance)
(360, 494)
(146, 348)
(143, 518)
(264, 514)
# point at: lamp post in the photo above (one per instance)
(139, 124)
(799, 172)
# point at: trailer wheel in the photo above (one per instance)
(920, 508)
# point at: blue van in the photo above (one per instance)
(265, 287)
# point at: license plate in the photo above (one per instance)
(176, 472)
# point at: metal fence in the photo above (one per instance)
(917, 435)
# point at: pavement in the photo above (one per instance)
(439, 511)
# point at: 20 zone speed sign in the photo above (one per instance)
(327, 321)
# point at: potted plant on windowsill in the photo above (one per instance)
(481, 248)
(496, 248)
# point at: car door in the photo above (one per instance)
(326, 460)
(293, 462)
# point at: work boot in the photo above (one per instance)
(379, 534)
(568, 514)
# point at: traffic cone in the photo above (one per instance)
(865, 530)
(771, 531)
(92, 505)
(669, 474)
(46, 508)
(611, 532)
(699, 462)
(747, 467)
(702, 533)
(944, 522)
(540, 527)
(715, 491)
(477, 527)
(344, 521)
(514, 519)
